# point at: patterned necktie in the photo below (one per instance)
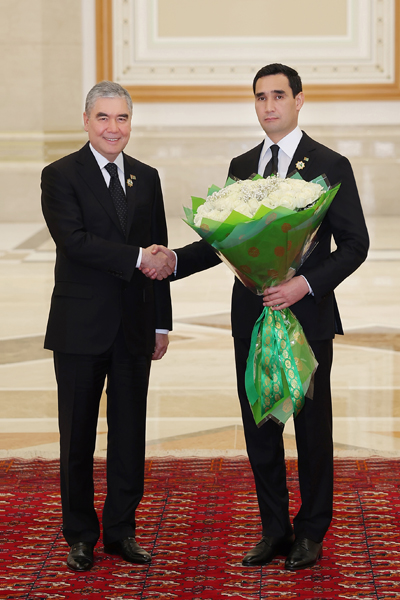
(118, 195)
(272, 166)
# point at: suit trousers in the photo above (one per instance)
(313, 427)
(80, 380)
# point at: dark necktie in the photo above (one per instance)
(272, 166)
(118, 195)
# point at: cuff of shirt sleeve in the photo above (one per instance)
(164, 331)
(139, 259)
(309, 286)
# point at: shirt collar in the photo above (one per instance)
(102, 161)
(288, 144)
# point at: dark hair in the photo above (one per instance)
(277, 69)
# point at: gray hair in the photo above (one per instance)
(106, 89)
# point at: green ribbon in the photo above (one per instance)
(272, 376)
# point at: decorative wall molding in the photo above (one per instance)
(364, 64)
(27, 146)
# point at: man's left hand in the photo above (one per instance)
(285, 294)
(161, 346)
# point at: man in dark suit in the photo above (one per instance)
(310, 295)
(104, 211)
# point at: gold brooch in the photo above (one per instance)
(300, 164)
(129, 182)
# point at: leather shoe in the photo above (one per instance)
(80, 557)
(303, 554)
(130, 551)
(266, 550)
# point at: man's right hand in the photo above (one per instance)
(158, 262)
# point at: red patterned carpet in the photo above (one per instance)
(198, 517)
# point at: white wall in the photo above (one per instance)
(243, 114)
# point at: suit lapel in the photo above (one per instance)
(253, 159)
(131, 187)
(304, 156)
(91, 174)
(246, 165)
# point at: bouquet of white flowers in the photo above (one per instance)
(264, 230)
(247, 196)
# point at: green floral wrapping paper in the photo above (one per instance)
(280, 367)
(264, 251)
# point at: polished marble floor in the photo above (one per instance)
(193, 408)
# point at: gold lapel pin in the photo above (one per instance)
(129, 182)
(300, 164)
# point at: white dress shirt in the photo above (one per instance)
(287, 148)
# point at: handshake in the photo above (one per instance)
(158, 262)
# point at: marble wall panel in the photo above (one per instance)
(42, 41)
(21, 92)
(62, 88)
(191, 159)
(20, 192)
(61, 22)
(42, 72)
(62, 65)
(41, 94)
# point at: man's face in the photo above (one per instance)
(276, 109)
(108, 126)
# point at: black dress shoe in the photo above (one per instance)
(303, 554)
(80, 557)
(130, 551)
(266, 550)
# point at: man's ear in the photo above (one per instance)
(299, 100)
(85, 121)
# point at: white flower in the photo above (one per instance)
(247, 196)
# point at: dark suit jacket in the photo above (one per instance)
(96, 283)
(323, 269)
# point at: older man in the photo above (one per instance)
(104, 210)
